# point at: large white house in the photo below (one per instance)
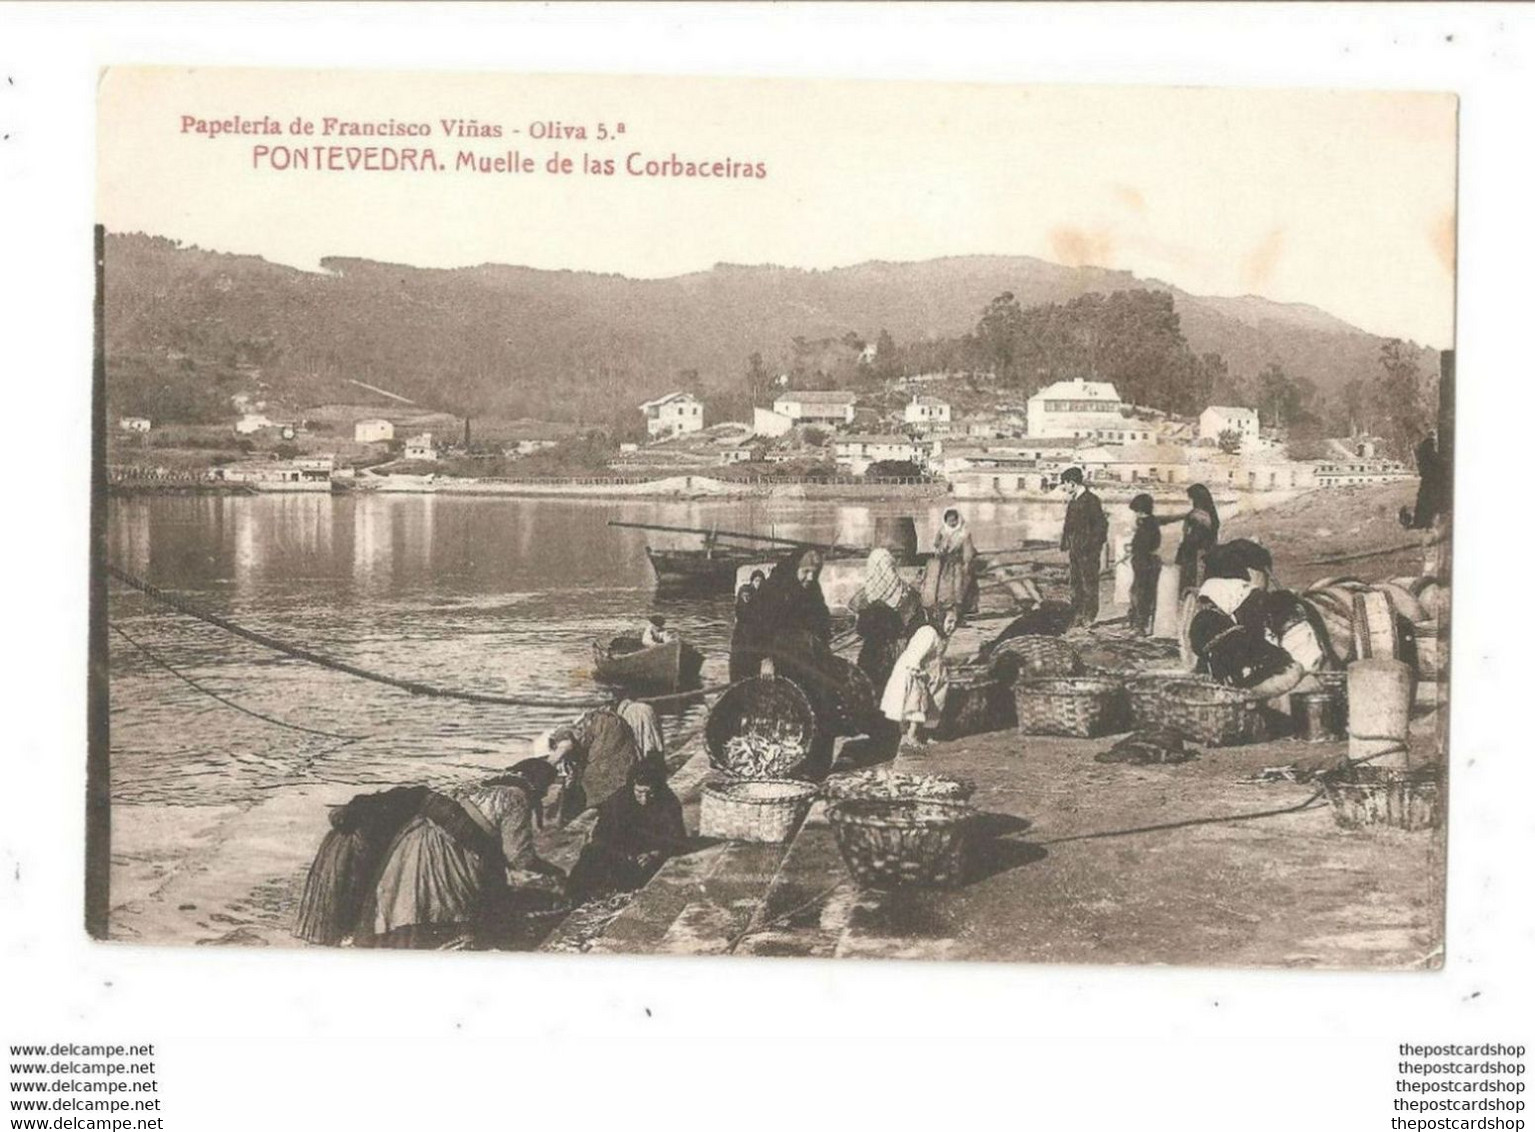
(1229, 418)
(816, 406)
(927, 413)
(372, 431)
(1078, 409)
(856, 453)
(673, 415)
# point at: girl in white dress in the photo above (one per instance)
(918, 686)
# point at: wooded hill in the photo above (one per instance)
(187, 328)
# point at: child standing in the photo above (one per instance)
(1145, 564)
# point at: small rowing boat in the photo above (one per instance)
(661, 668)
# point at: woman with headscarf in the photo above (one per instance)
(884, 608)
(447, 868)
(1201, 533)
(949, 581)
(637, 829)
(641, 717)
(918, 686)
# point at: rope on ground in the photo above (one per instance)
(414, 687)
(226, 701)
(1186, 823)
(1334, 559)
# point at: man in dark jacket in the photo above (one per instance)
(1082, 539)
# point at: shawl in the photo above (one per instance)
(1226, 594)
(881, 583)
(950, 540)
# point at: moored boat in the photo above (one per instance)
(661, 668)
(712, 570)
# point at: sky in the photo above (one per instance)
(1343, 200)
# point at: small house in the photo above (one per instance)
(420, 447)
(927, 413)
(134, 424)
(833, 407)
(373, 431)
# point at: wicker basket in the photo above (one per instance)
(894, 786)
(1079, 706)
(893, 844)
(761, 810)
(1366, 796)
(1201, 710)
(768, 706)
(1031, 657)
(977, 703)
(1430, 650)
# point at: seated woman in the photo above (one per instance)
(449, 865)
(1246, 635)
(637, 830)
(919, 686)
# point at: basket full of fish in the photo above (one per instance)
(902, 842)
(763, 727)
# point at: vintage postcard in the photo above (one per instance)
(610, 515)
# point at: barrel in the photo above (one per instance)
(1379, 704)
(898, 535)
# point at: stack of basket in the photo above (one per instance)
(977, 702)
(759, 736)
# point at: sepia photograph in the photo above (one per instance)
(732, 517)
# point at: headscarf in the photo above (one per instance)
(881, 583)
(1226, 594)
(949, 539)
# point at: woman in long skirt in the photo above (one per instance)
(950, 578)
(1201, 533)
(918, 687)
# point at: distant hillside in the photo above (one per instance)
(186, 328)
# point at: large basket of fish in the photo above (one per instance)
(768, 810)
(898, 843)
(1033, 657)
(1078, 706)
(1201, 710)
(977, 702)
(889, 785)
(763, 727)
(1364, 796)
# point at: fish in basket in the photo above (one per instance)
(1200, 710)
(893, 785)
(1079, 706)
(763, 727)
(898, 843)
(767, 810)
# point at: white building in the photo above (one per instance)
(372, 431)
(1229, 418)
(134, 424)
(1135, 463)
(736, 454)
(817, 406)
(765, 422)
(673, 415)
(927, 413)
(251, 422)
(856, 453)
(420, 448)
(1074, 408)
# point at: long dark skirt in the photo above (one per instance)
(336, 887)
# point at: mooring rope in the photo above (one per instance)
(414, 687)
(165, 664)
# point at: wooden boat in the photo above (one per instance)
(712, 570)
(660, 668)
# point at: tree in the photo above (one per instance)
(1403, 397)
(998, 332)
(886, 365)
(758, 379)
(1230, 441)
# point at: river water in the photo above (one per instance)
(487, 594)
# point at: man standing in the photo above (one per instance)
(1082, 539)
